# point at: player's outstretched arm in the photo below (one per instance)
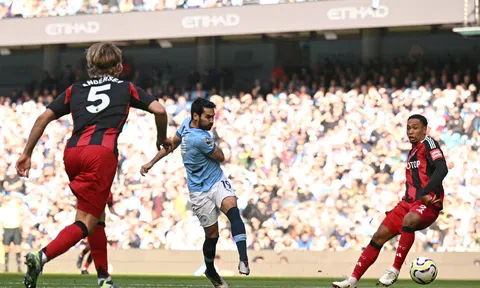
(144, 101)
(162, 153)
(112, 210)
(161, 121)
(23, 163)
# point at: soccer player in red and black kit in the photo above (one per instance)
(425, 170)
(99, 108)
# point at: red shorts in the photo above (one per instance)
(91, 170)
(394, 219)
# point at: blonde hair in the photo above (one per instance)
(104, 59)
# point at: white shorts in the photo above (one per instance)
(206, 205)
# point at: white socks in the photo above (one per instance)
(43, 258)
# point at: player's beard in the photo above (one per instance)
(205, 126)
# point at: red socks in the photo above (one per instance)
(98, 247)
(66, 239)
(368, 257)
(370, 254)
(70, 236)
(406, 241)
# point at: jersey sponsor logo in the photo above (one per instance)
(436, 154)
(413, 164)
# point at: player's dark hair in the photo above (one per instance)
(104, 59)
(199, 105)
(419, 117)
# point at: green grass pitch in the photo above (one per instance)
(63, 280)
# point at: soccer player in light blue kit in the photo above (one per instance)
(210, 190)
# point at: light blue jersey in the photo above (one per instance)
(196, 146)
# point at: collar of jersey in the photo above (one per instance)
(413, 146)
(193, 127)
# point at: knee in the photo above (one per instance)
(411, 220)
(86, 229)
(87, 222)
(212, 231)
(93, 227)
(228, 204)
(102, 218)
(212, 234)
(379, 239)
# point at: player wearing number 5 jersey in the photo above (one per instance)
(210, 190)
(99, 108)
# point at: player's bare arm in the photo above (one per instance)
(112, 210)
(23, 163)
(162, 153)
(161, 121)
(217, 155)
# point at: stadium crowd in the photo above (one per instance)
(43, 8)
(315, 162)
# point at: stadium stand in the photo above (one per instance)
(301, 146)
(32, 8)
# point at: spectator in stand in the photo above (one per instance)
(198, 92)
(30, 8)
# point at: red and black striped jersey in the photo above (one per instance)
(99, 109)
(421, 164)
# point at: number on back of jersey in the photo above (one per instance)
(94, 95)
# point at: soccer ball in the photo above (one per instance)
(423, 270)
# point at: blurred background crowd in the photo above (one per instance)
(46, 8)
(316, 158)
